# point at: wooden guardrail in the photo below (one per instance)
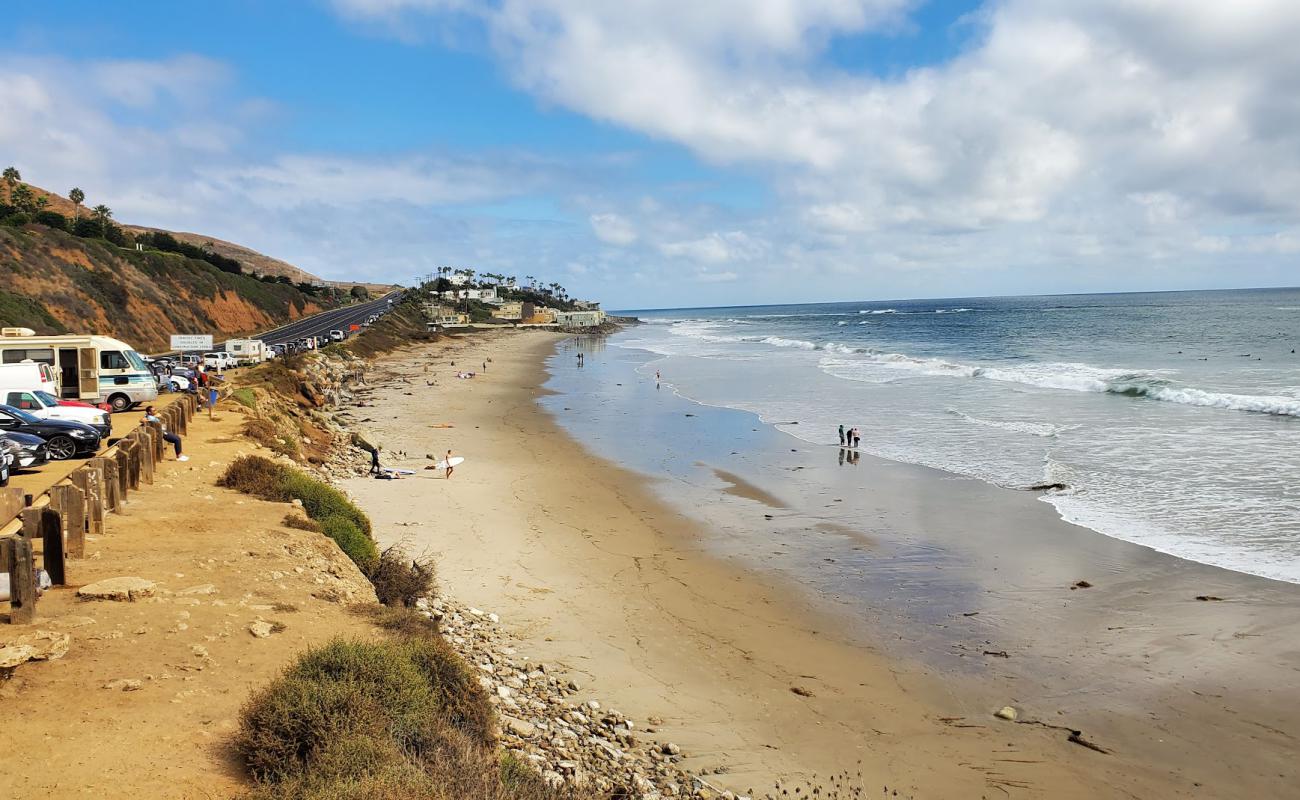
(74, 508)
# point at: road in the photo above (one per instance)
(326, 321)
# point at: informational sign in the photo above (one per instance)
(184, 341)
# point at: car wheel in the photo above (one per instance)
(119, 402)
(61, 448)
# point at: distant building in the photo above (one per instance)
(457, 279)
(514, 311)
(488, 295)
(541, 316)
(585, 305)
(579, 319)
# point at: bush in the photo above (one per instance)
(397, 720)
(260, 477)
(352, 541)
(323, 501)
(300, 523)
(400, 581)
(244, 397)
(51, 219)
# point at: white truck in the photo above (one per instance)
(248, 351)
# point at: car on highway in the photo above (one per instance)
(5, 461)
(47, 406)
(64, 439)
(337, 335)
(23, 450)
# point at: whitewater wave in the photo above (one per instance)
(952, 310)
(879, 311)
(1041, 429)
(1086, 378)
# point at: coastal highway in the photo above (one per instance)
(326, 321)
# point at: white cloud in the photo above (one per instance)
(613, 229)
(717, 248)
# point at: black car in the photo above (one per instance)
(24, 450)
(63, 438)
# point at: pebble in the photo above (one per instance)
(1007, 713)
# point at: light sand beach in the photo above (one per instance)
(752, 677)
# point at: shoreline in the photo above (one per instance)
(564, 544)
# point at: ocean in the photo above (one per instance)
(1171, 419)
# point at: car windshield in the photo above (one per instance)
(134, 358)
(30, 419)
(47, 398)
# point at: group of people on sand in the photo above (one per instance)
(850, 437)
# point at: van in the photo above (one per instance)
(95, 369)
(248, 351)
(337, 336)
(29, 375)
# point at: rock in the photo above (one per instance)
(124, 685)
(519, 727)
(1007, 713)
(670, 749)
(296, 503)
(126, 588)
(261, 628)
(203, 588)
(11, 655)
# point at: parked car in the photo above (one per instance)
(5, 461)
(337, 335)
(47, 406)
(24, 450)
(63, 438)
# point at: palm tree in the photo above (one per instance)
(103, 212)
(11, 177)
(77, 197)
(41, 202)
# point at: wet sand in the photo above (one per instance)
(589, 566)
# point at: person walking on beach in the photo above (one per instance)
(169, 437)
(449, 466)
(375, 469)
(857, 440)
(841, 436)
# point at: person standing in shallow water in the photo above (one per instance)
(841, 436)
(857, 440)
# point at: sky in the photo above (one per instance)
(683, 153)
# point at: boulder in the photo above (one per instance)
(124, 685)
(260, 628)
(1008, 713)
(120, 589)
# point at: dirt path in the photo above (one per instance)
(145, 701)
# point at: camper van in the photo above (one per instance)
(96, 369)
(248, 351)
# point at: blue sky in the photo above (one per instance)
(675, 153)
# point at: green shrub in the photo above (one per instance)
(399, 580)
(244, 397)
(300, 523)
(51, 219)
(322, 501)
(352, 541)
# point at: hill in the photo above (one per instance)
(54, 282)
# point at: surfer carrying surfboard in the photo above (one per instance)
(450, 466)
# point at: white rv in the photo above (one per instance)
(248, 351)
(95, 369)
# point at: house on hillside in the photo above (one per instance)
(513, 311)
(458, 279)
(586, 305)
(445, 317)
(488, 295)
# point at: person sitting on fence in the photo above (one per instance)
(168, 436)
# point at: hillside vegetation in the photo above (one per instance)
(54, 282)
(81, 272)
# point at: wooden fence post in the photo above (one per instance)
(123, 475)
(144, 443)
(112, 486)
(69, 501)
(90, 481)
(128, 453)
(17, 557)
(11, 503)
(49, 528)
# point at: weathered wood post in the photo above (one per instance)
(129, 454)
(16, 553)
(123, 476)
(144, 444)
(90, 481)
(70, 502)
(45, 524)
(112, 487)
(11, 503)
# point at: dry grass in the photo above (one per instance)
(400, 580)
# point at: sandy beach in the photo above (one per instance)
(755, 679)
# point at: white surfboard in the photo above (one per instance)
(395, 471)
(455, 462)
